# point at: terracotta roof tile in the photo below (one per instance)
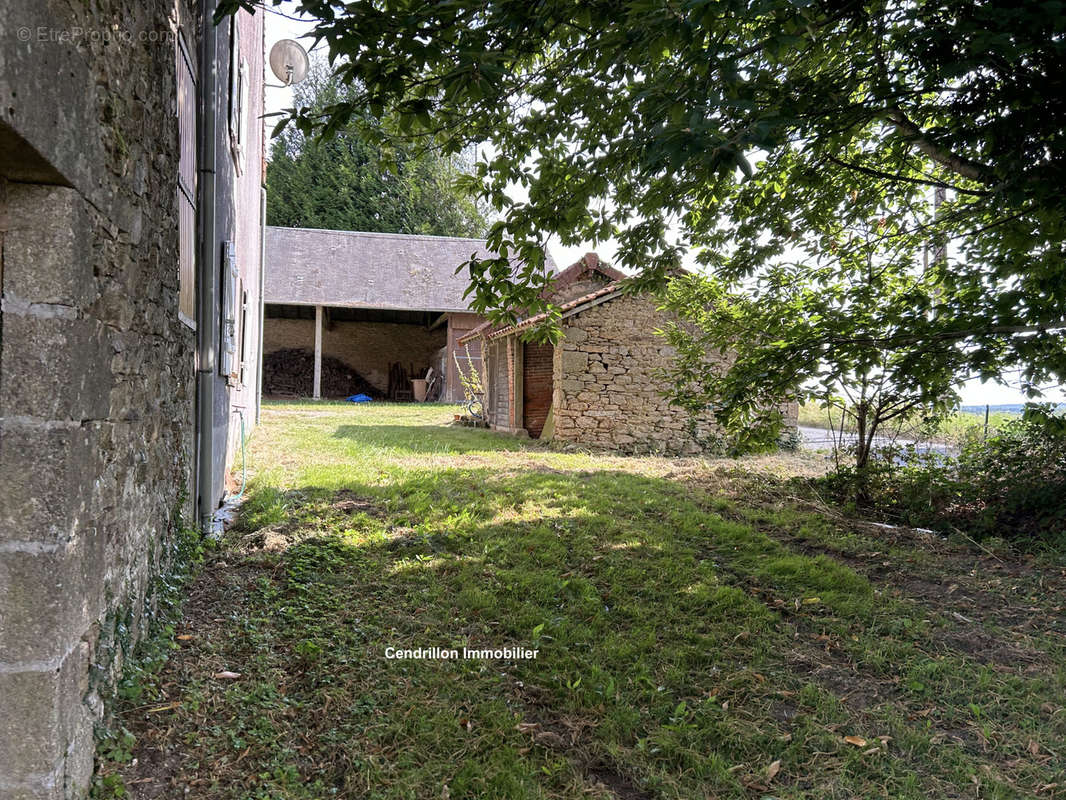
(573, 305)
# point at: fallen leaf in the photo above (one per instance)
(858, 741)
(167, 707)
(184, 637)
(527, 727)
(1034, 748)
(772, 770)
(871, 751)
(810, 601)
(226, 675)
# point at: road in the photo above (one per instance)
(821, 439)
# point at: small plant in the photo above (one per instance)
(473, 386)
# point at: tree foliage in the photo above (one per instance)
(356, 181)
(744, 131)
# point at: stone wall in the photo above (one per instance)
(96, 370)
(607, 387)
(366, 347)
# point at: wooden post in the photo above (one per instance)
(318, 353)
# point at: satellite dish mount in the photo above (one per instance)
(288, 61)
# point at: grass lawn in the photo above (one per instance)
(705, 630)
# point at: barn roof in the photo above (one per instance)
(590, 262)
(305, 266)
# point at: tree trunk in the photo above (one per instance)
(862, 454)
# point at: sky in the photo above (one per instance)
(279, 97)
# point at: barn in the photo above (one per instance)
(601, 385)
(348, 312)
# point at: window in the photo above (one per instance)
(238, 98)
(186, 108)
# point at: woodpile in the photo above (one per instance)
(291, 373)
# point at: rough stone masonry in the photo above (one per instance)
(96, 370)
(609, 385)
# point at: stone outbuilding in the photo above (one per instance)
(601, 386)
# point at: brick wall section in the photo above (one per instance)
(537, 373)
(96, 379)
(458, 326)
(579, 288)
(607, 391)
(366, 347)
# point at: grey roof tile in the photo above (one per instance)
(306, 266)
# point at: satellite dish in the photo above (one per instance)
(288, 61)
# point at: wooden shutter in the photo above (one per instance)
(186, 108)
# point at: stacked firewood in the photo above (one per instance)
(291, 373)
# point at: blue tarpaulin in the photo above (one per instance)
(359, 398)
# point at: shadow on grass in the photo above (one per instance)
(430, 438)
(665, 637)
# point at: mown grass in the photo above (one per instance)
(702, 633)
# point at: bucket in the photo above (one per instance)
(418, 386)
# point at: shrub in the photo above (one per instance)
(1009, 486)
(1017, 480)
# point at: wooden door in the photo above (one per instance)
(536, 386)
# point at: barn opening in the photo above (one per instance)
(372, 351)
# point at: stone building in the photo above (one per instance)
(601, 385)
(131, 167)
(371, 300)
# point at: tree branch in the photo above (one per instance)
(876, 173)
(904, 339)
(973, 170)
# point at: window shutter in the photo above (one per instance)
(228, 350)
(186, 108)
